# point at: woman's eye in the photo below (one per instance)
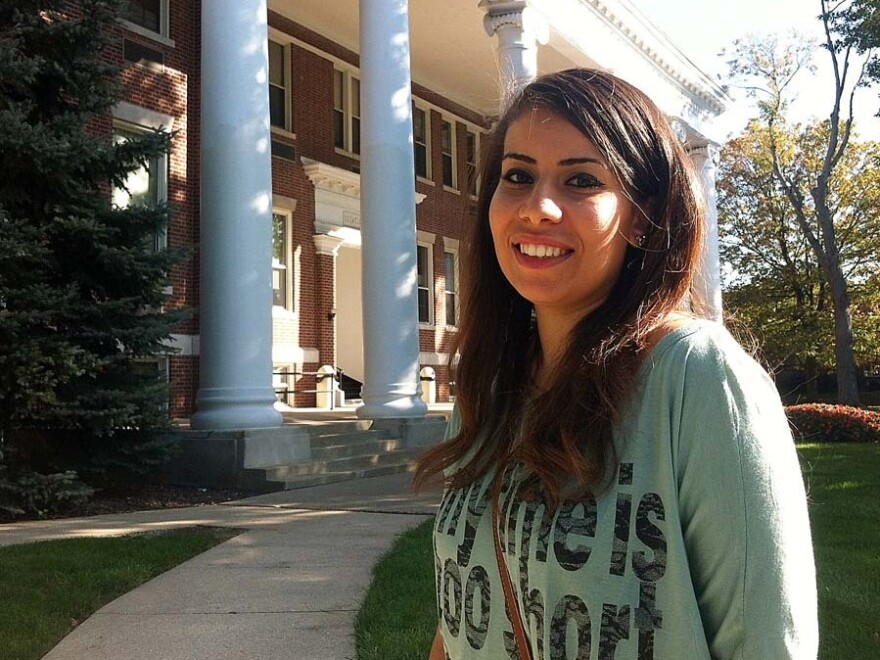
(584, 180)
(517, 176)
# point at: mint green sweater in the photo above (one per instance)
(701, 548)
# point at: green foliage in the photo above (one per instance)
(822, 422)
(48, 588)
(856, 24)
(81, 287)
(774, 281)
(40, 494)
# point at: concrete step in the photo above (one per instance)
(321, 440)
(308, 481)
(360, 447)
(351, 463)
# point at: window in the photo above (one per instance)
(425, 277)
(279, 96)
(421, 142)
(447, 144)
(146, 186)
(151, 15)
(347, 111)
(280, 252)
(153, 370)
(450, 262)
(471, 150)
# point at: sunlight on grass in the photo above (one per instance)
(50, 587)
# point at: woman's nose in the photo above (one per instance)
(540, 207)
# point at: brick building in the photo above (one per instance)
(464, 54)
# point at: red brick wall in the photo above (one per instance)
(175, 91)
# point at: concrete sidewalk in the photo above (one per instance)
(289, 586)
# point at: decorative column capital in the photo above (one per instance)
(704, 150)
(516, 14)
(680, 129)
(327, 245)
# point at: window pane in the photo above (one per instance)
(446, 137)
(355, 97)
(339, 128)
(145, 13)
(338, 94)
(279, 238)
(424, 315)
(449, 264)
(276, 63)
(356, 135)
(276, 106)
(450, 309)
(419, 125)
(422, 254)
(471, 140)
(447, 171)
(421, 153)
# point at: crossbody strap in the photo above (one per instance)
(510, 601)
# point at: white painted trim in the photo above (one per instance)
(426, 237)
(287, 129)
(428, 244)
(434, 358)
(290, 354)
(184, 345)
(144, 117)
(449, 248)
(164, 27)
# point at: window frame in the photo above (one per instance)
(472, 182)
(164, 32)
(453, 186)
(426, 241)
(290, 265)
(121, 126)
(450, 247)
(418, 105)
(349, 76)
(287, 87)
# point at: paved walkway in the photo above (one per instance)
(288, 587)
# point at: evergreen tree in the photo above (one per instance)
(81, 285)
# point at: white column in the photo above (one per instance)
(235, 309)
(704, 155)
(388, 215)
(520, 29)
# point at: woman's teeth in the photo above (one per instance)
(545, 251)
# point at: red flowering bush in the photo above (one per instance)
(823, 422)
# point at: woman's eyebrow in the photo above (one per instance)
(577, 160)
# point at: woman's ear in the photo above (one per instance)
(641, 222)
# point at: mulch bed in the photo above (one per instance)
(142, 497)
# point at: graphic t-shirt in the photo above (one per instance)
(700, 549)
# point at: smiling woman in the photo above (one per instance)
(618, 472)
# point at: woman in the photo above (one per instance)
(638, 464)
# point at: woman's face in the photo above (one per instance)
(559, 218)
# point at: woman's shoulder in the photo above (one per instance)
(700, 346)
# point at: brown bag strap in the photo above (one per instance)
(511, 603)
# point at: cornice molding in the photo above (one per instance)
(331, 178)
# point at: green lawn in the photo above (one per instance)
(398, 618)
(47, 588)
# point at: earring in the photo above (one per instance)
(641, 239)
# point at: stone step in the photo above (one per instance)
(356, 448)
(322, 440)
(352, 463)
(307, 481)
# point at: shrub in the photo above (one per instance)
(40, 494)
(824, 422)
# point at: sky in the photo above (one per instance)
(701, 28)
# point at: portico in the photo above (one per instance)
(460, 54)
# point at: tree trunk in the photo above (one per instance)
(847, 381)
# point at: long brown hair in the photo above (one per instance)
(565, 433)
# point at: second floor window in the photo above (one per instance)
(471, 162)
(347, 111)
(447, 142)
(421, 135)
(278, 93)
(151, 15)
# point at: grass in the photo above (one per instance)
(398, 617)
(844, 492)
(48, 588)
